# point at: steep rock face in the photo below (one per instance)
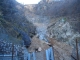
(44, 13)
(12, 16)
(63, 31)
(57, 7)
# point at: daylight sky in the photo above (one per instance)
(28, 1)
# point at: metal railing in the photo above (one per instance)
(50, 54)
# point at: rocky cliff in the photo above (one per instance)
(58, 19)
(62, 19)
(57, 7)
(12, 16)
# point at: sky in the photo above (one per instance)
(28, 1)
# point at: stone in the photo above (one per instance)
(39, 49)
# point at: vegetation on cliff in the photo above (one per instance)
(12, 16)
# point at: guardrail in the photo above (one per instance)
(50, 54)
